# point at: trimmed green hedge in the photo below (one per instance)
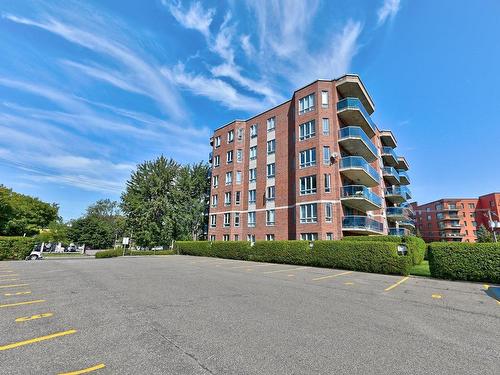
(112, 253)
(368, 256)
(16, 248)
(151, 252)
(465, 261)
(416, 246)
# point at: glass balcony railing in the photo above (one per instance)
(390, 171)
(357, 162)
(403, 174)
(355, 103)
(407, 223)
(389, 151)
(403, 191)
(399, 232)
(397, 211)
(357, 132)
(360, 191)
(210, 157)
(362, 223)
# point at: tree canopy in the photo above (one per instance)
(24, 215)
(166, 201)
(484, 235)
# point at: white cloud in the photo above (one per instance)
(247, 46)
(389, 9)
(195, 18)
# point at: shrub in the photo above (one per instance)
(151, 252)
(231, 249)
(366, 256)
(416, 246)
(15, 248)
(197, 248)
(112, 253)
(465, 261)
(291, 252)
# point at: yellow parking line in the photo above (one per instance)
(9, 280)
(37, 339)
(17, 293)
(33, 317)
(330, 276)
(349, 283)
(22, 303)
(84, 371)
(12, 285)
(396, 284)
(287, 270)
(437, 296)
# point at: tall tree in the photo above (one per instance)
(484, 235)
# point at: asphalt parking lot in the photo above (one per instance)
(193, 315)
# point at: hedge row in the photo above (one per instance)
(416, 246)
(465, 261)
(150, 252)
(112, 253)
(368, 256)
(12, 248)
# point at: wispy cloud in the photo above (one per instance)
(195, 18)
(388, 10)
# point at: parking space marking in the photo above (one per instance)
(85, 371)
(9, 275)
(12, 285)
(349, 283)
(37, 339)
(9, 280)
(17, 293)
(330, 276)
(255, 265)
(23, 303)
(396, 284)
(291, 275)
(33, 317)
(287, 270)
(437, 296)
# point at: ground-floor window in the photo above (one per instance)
(225, 237)
(329, 236)
(269, 237)
(212, 237)
(309, 236)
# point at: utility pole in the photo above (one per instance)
(493, 226)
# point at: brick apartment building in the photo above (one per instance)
(457, 219)
(314, 167)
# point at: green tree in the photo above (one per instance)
(484, 235)
(57, 231)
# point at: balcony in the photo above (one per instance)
(391, 175)
(448, 217)
(402, 163)
(361, 225)
(357, 169)
(452, 235)
(389, 157)
(360, 198)
(351, 111)
(211, 141)
(399, 232)
(355, 141)
(404, 179)
(408, 224)
(350, 85)
(397, 194)
(387, 139)
(210, 157)
(397, 213)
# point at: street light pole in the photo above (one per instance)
(493, 226)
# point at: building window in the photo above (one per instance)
(251, 238)
(271, 193)
(307, 130)
(229, 178)
(227, 198)
(271, 124)
(473, 214)
(236, 237)
(471, 205)
(239, 156)
(308, 185)
(253, 153)
(213, 221)
(428, 209)
(309, 213)
(238, 177)
(237, 197)
(229, 157)
(215, 181)
(306, 104)
(270, 217)
(252, 196)
(236, 219)
(271, 146)
(215, 200)
(309, 236)
(227, 219)
(429, 218)
(225, 237)
(324, 99)
(439, 215)
(474, 224)
(216, 160)
(251, 219)
(271, 170)
(252, 174)
(329, 236)
(230, 136)
(212, 237)
(307, 158)
(217, 141)
(253, 131)
(326, 155)
(269, 237)
(328, 182)
(326, 126)
(328, 212)
(240, 134)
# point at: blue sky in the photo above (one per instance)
(89, 89)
